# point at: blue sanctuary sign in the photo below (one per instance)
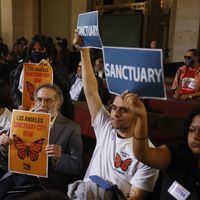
(88, 28)
(137, 70)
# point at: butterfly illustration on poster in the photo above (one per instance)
(34, 75)
(30, 89)
(30, 135)
(30, 151)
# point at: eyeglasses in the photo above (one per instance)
(118, 108)
(194, 130)
(48, 101)
(187, 57)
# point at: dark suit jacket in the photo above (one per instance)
(67, 134)
(81, 97)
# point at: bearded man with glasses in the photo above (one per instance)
(64, 149)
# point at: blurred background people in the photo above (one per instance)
(153, 44)
(5, 120)
(63, 53)
(3, 49)
(99, 68)
(186, 84)
(41, 49)
(76, 90)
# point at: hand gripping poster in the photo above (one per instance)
(34, 75)
(88, 28)
(30, 135)
(137, 70)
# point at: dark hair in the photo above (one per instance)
(54, 87)
(62, 42)
(19, 40)
(188, 122)
(99, 60)
(4, 94)
(44, 42)
(196, 52)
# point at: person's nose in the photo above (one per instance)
(43, 103)
(117, 112)
(197, 133)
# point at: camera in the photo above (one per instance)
(62, 42)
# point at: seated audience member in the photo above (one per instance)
(23, 42)
(41, 51)
(5, 119)
(76, 90)
(5, 114)
(180, 162)
(153, 44)
(64, 149)
(186, 83)
(3, 49)
(99, 71)
(99, 68)
(113, 159)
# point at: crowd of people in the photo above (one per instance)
(125, 164)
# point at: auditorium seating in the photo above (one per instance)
(171, 107)
(164, 125)
(82, 117)
(164, 128)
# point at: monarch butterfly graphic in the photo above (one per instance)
(24, 150)
(123, 164)
(30, 89)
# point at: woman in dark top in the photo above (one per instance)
(180, 162)
(42, 51)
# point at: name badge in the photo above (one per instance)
(178, 191)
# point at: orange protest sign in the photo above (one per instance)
(30, 134)
(34, 75)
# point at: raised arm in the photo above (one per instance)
(154, 157)
(89, 81)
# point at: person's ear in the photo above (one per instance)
(59, 105)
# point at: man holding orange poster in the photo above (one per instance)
(28, 145)
(30, 134)
(34, 75)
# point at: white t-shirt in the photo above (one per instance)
(114, 161)
(5, 120)
(21, 79)
(76, 88)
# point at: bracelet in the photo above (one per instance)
(140, 139)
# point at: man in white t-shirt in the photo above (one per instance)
(113, 159)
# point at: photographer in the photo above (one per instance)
(63, 53)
